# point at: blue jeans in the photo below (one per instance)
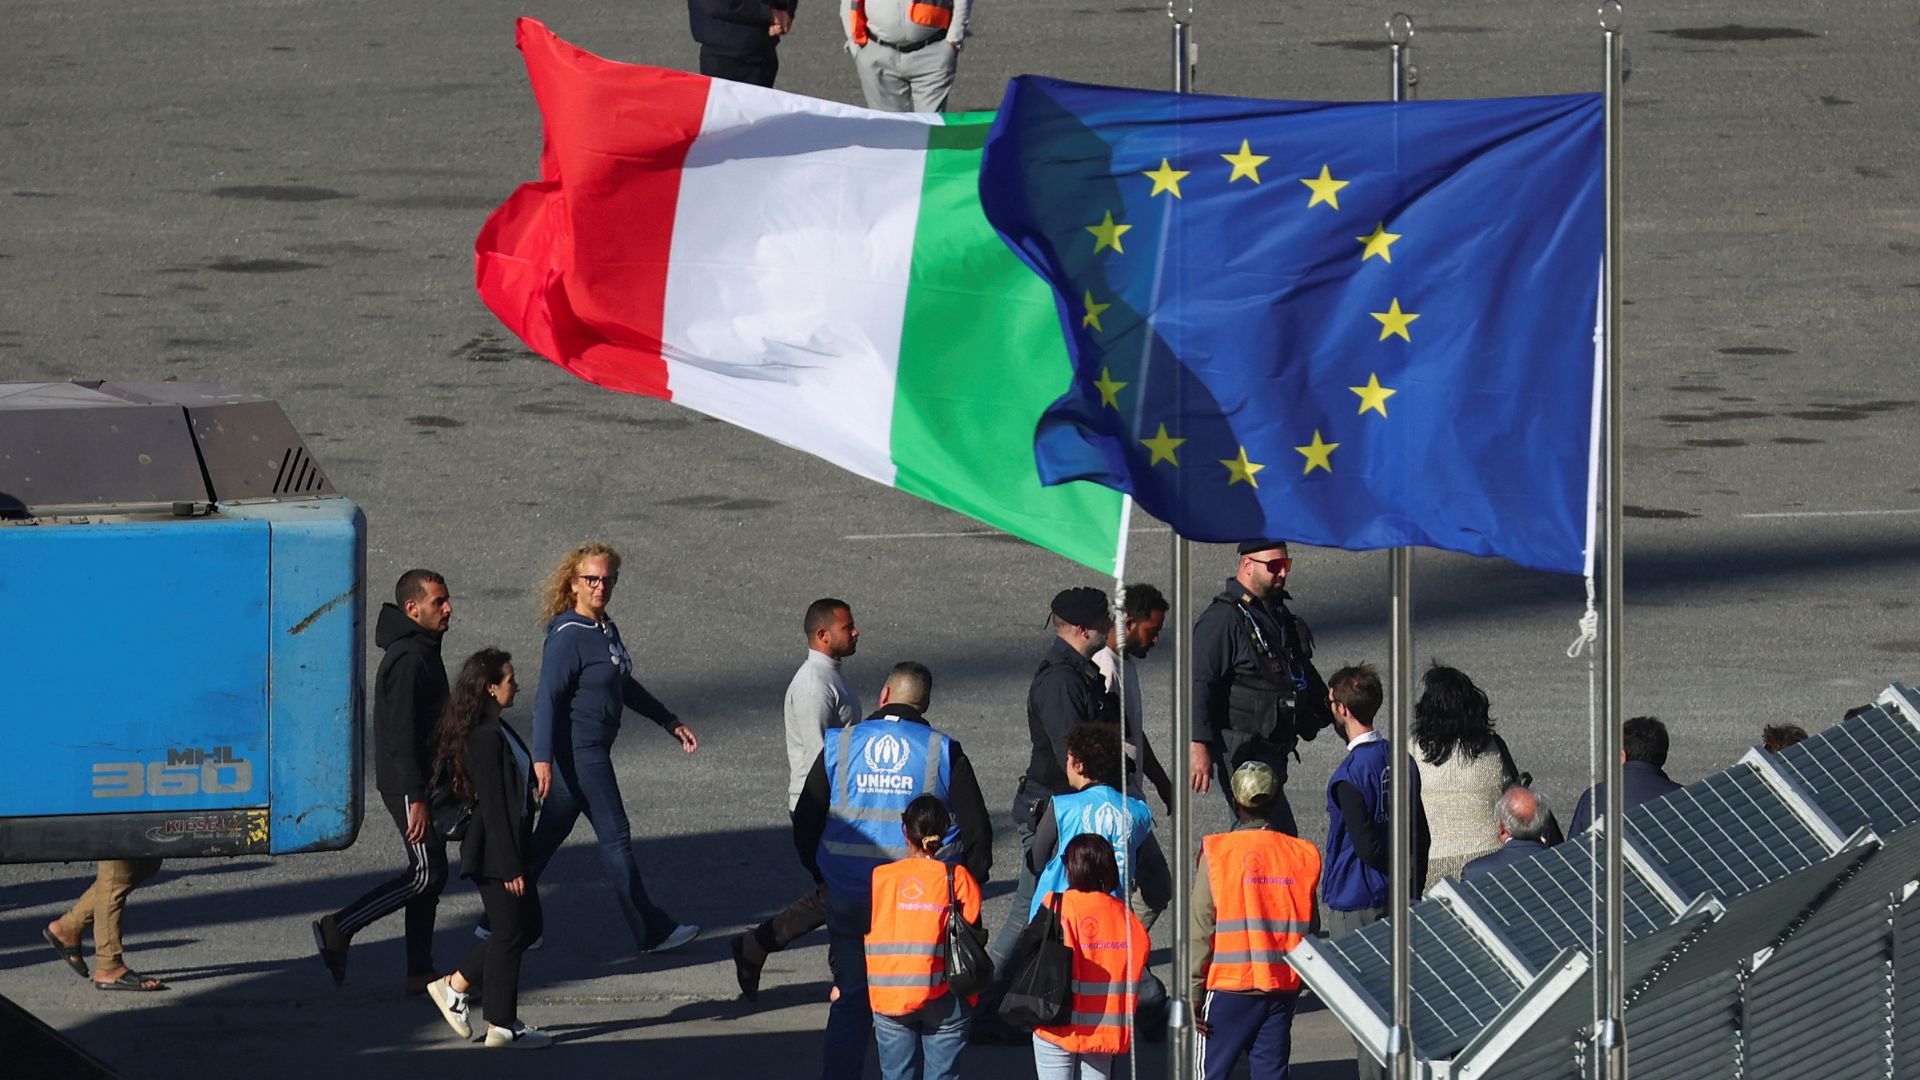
(583, 783)
(1016, 921)
(924, 1044)
(1258, 1025)
(843, 1052)
(1050, 1062)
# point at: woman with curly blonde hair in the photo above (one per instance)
(586, 680)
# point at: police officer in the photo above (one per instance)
(1068, 689)
(1255, 690)
(847, 823)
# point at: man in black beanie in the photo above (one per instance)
(1067, 690)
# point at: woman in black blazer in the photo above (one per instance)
(491, 768)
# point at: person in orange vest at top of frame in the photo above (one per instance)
(1109, 952)
(919, 1024)
(1252, 903)
(905, 51)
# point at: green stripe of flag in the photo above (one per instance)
(981, 356)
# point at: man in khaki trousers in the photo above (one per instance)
(101, 907)
(905, 51)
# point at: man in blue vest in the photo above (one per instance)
(847, 822)
(1353, 885)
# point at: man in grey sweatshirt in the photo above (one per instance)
(818, 698)
(905, 51)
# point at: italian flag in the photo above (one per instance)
(817, 273)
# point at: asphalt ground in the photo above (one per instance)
(282, 195)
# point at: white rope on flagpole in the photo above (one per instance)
(1583, 642)
(1119, 636)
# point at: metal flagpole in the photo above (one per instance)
(1180, 1056)
(1400, 672)
(1611, 1040)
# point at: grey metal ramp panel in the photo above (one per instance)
(1865, 773)
(1546, 904)
(1822, 1004)
(1884, 875)
(52, 395)
(1906, 988)
(1727, 834)
(1572, 1010)
(1557, 1058)
(1458, 985)
(1759, 919)
(1690, 1033)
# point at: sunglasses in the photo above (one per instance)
(595, 581)
(1275, 566)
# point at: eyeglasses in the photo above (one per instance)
(595, 581)
(1275, 566)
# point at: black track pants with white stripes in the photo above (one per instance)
(417, 890)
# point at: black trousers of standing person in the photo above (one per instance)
(417, 889)
(757, 68)
(492, 968)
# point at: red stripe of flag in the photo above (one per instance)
(576, 264)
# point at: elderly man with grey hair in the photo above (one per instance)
(1521, 815)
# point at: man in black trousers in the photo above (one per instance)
(740, 39)
(409, 694)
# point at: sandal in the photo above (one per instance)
(69, 953)
(132, 980)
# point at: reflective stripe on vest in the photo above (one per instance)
(935, 13)
(1262, 883)
(1109, 953)
(874, 769)
(1122, 819)
(906, 943)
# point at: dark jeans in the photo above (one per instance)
(494, 964)
(1003, 939)
(1257, 1025)
(583, 783)
(417, 890)
(758, 69)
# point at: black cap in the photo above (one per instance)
(1248, 547)
(1081, 606)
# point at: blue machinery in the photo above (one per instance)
(181, 626)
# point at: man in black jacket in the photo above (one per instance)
(1256, 692)
(740, 39)
(1643, 747)
(409, 694)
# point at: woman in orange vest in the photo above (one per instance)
(1109, 952)
(919, 1024)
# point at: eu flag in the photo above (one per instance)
(1359, 325)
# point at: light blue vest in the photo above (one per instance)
(1125, 821)
(874, 769)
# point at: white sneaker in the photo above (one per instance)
(682, 934)
(452, 1005)
(521, 1037)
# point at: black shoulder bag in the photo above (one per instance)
(1042, 992)
(969, 968)
(447, 814)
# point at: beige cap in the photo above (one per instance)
(1254, 784)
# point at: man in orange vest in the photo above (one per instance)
(905, 51)
(1252, 903)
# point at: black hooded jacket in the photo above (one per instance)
(409, 694)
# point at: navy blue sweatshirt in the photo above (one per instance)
(586, 677)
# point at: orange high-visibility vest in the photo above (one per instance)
(906, 942)
(936, 13)
(1263, 883)
(1109, 953)
(857, 22)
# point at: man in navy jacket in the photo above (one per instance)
(740, 39)
(1643, 746)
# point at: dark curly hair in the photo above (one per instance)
(1450, 715)
(466, 708)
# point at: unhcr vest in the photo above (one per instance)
(1351, 885)
(1097, 809)
(874, 769)
(1262, 883)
